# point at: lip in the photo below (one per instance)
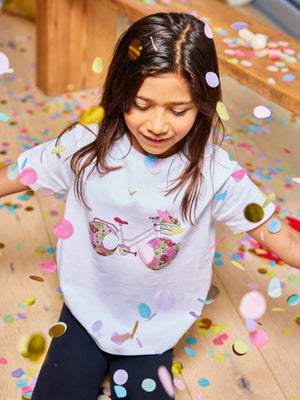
(154, 141)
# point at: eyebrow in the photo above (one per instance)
(174, 103)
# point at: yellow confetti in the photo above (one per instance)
(58, 149)
(293, 398)
(92, 115)
(222, 111)
(177, 367)
(278, 309)
(29, 301)
(238, 265)
(32, 346)
(132, 193)
(219, 357)
(288, 332)
(97, 65)
(218, 328)
(269, 199)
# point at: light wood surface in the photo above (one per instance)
(67, 47)
(270, 151)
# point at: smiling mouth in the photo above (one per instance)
(157, 141)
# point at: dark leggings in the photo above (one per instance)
(75, 367)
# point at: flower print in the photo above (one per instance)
(156, 243)
(153, 263)
(171, 252)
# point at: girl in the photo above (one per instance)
(144, 191)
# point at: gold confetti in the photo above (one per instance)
(36, 278)
(97, 65)
(29, 301)
(134, 50)
(58, 149)
(92, 115)
(240, 347)
(57, 329)
(32, 346)
(278, 309)
(254, 212)
(271, 197)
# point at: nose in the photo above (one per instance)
(158, 124)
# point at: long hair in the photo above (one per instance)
(170, 43)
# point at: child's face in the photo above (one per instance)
(162, 114)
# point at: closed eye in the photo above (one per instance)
(141, 108)
(178, 113)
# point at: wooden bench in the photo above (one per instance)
(72, 33)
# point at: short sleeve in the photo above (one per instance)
(46, 167)
(231, 200)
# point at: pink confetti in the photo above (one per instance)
(253, 305)
(297, 180)
(208, 31)
(239, 25)
(287, 151)
(179, 384)
(259, 337)
(218, 242)
(239, 174)
(28, 176)
(64, 229)
(121, 338)
(3, 361)
(47, 267)
(166, 380)
(261, 112)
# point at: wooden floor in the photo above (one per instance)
(207, 367)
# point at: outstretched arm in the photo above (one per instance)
(9, 186)
(285, 243)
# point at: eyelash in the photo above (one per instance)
(177, 113)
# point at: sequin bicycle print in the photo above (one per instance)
(156, 253)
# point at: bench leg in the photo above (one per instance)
(70, 35)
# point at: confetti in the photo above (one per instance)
(190, 352)
(97, 65)
(58, 149)
(221, 196)
(296, 180)
(239, 25)
(32, 346)
(28, 176)
(13, 171)
(144, 310)
(222, 111)
(4, 117)
(97, 325)
(250, 324)
(134, 50)
(203, 382)
(293, 300)
(120, 376)
(274, 225)
(57, 329)
(254, 212)
(3, 361)
(271, 197)
(166, 380)
(259, 337)
(208, 32)
(47, 267)
(120, 391)
(64, 229)
(152, 41)
(92, 115)
(261, 112)
(212, 79)
(238, 265)
(240, 347)
(252, 305)
(36, 278)
(274, 288)
(239, 174)
(149, 385)
(4, 63)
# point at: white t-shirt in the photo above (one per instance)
(132, 272)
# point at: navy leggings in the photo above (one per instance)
(74, 369)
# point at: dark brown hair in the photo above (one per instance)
(171, 43)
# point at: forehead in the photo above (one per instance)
(168, 87)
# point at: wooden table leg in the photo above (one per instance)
(70, 35)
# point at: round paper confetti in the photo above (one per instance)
(3, 361)
(64, 229)
(261, 112)
(190, 352)
(92, 115)
(47, 267)
(13, 171)
(28, 176)
(151, 161)
(165, 299)
(288, 78)
(239, 174)
(120, 391)
(32, 346)
(222, 111)
(274, 225)
(208, 31)
(254, 212)
(4, 63)
(253, 305)
(203, 382)
(4, 117)
(293, 300)
(212, 79)
(134, 50)
(149, 385)
(250, 324)
(166, 380)
(97, 65)
(274, 288)
(179, 384)
(259, 337)
(120, 377)
(57, 329)
(240, 347)
(239, 26)
(144, 310)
